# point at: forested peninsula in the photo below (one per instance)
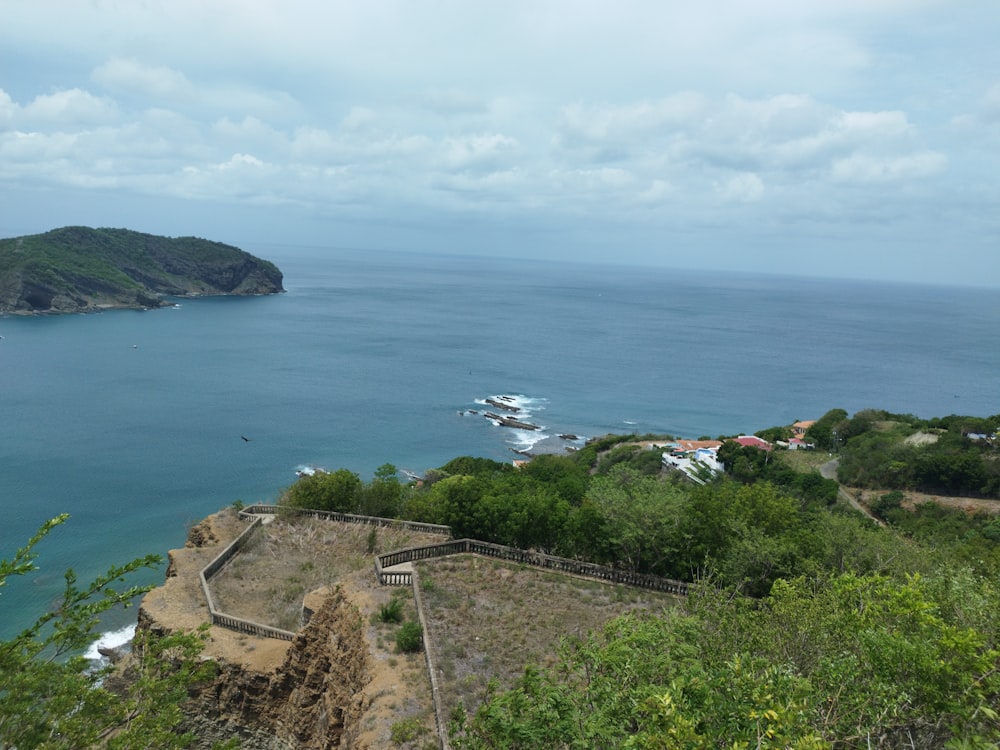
(80, 269)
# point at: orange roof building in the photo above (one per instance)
(799, 428)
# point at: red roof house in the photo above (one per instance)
(754, 442)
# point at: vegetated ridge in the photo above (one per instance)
(80, 269)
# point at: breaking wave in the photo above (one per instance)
(111, 639)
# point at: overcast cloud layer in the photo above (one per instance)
(856, 138)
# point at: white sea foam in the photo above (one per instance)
(111, 639)
(522, 408)
(525, 440)
(305, 470)
(525, 403)
(518, 400)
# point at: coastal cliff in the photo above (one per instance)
(311, 701)
(306, 694)
(79, 269)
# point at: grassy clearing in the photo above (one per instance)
(803, 461)
(488, 618)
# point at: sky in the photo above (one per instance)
(840, 138)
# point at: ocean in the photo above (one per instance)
(133, 422)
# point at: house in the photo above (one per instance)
(690, 446)
(796, 444)
(697, 464)
(754, 442)
(799, 428)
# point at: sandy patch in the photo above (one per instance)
(921, 438)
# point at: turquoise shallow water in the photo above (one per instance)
(132, 421)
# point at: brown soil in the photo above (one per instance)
(180, 603)
(912, 499)
(284, 563)
(267, 582)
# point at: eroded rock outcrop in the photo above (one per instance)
(313, 701)
(307, 694)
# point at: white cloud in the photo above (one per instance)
(863, 168)
(163, 86)
(157, 82)
(741, 188)
(486, 151)
(621, 123)
(989, 105)
(8, 109)
(68, 108)
(358, 118)
(645, 116)
(453, 101)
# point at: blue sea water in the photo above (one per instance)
(132, 422)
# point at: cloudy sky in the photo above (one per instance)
(854, 138)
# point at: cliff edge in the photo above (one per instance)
(79, 269)
(327, 688)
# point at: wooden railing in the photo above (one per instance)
(252, 511)
(523, 557)
(229, 621)
(437, 698)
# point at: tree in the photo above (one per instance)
(338, 491)
(50, 697)
(774, 434)
(383, 496)
(823, 432)
(457, 500)
(642, 516)
(567, 475)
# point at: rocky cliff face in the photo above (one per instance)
(79, 269)
(273, 695)
(311, 702)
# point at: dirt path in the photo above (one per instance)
(968, 505)
(829, 471)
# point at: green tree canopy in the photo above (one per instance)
(51, 697)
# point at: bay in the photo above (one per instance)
(133, 422)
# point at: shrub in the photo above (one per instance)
(410, 637)
(391, 612)
(887, 503)
(407, 730)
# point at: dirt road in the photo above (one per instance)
(829, 471)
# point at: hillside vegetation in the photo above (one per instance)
(78, 269)
(812, 627)
(808, 625)
(953, 455)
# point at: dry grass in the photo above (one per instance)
(487, 619)
(912, 498)
(285, 560)
(803, 461)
